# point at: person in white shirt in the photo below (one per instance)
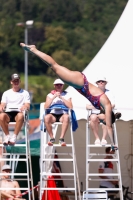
(61, 98)
(96, 116)
(14, 101)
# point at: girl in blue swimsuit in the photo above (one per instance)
(79, 82)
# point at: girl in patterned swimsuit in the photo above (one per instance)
(79, 82)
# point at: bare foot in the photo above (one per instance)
(50, 143)
(63, 144)
(30, 48)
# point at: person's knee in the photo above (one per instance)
(2, 115)
(104, 127)
(109, 128)
(4, 118)
(47, 119)
(65, 118)
(19, 117)
(94, 118)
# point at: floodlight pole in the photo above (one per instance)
(28, 24)
(26, 59)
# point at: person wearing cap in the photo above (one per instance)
(14, 101)
(79, 81)
(106, 167)
(57, 97)
(8, 194)
(97, 115)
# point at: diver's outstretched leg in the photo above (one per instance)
(72, 78)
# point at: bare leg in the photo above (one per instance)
(49, 119)
(94, 123)
(72, 78)
(105, 132)
(108, 112)
(19, 122)
(65, 122)
(104, 128)
(1, 162)
(4, 120)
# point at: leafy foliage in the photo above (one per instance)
(72, 32)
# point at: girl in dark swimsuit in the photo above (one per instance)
(79, 82)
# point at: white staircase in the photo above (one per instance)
(94, 155)
(17, 154)
(66, 154)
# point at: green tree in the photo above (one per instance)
(72, 32)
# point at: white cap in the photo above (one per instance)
(6, 167)
(58, 81)
(101, 78)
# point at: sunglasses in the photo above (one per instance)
(7, 170)
(16, 80)
(59, 84)
(101, 81)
